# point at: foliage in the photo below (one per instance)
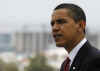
(39, 64)
(11, 67)
(8, 66)
(2, 64)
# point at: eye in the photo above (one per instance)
(52, 23)
(61, 21)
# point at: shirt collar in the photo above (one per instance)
(73, 53)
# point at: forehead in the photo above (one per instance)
(60, 13)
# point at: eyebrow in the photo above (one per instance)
(59, 21)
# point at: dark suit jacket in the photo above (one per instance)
(87, 59)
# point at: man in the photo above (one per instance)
(68, 28)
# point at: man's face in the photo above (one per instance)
(64, 28)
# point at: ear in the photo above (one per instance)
(82, 25)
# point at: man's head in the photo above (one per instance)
(68, 25)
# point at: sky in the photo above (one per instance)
(16, 13)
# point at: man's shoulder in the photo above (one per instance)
(87, 56)
(90, 51)
(92, 60)
(93, 52)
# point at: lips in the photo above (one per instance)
(57, 36)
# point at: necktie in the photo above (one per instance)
(67, 64)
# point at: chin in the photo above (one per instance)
(59, 45)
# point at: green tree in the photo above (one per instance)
(39, 64)
(8, 66)
(11, 67)
(2, 65)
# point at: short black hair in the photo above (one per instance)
(76, 12)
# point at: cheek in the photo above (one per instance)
(69, 32)
(66, 33)
(66, 29)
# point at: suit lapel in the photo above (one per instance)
(80, 57)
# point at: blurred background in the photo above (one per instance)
(26, 43)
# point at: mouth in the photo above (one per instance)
(57, 36)
(59, 39)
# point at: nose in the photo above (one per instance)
(55, 27)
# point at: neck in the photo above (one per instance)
(73, 43)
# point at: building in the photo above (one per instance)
(31, 39)
(6, 42)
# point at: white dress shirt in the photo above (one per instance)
(74, 51)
